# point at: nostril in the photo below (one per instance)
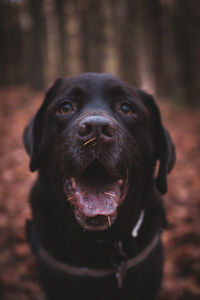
(84, 129)
(108, 130)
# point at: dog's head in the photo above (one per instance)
(98, 140)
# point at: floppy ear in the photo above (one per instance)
(32, 133)
(165, 150)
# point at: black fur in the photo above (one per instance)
(128, 146)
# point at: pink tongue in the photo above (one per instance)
(93, 203)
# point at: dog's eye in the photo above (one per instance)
(126, 109)
(66, 108)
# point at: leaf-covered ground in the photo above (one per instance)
(18, 278)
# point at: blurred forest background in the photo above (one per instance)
(152, 44)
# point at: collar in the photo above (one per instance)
(66, 270)
(121, 263)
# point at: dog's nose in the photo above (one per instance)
(99, 127)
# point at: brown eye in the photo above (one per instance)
(66, 108)
(126, 109)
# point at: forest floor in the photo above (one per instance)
(18, 278)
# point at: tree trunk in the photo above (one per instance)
(11, 50)
(92, 35)
(38, 50)
(187, 42)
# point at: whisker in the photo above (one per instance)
(110, 194)
(126, 176)
(84, 218)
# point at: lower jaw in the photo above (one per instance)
(97, 223)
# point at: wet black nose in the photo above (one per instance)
(99, 127)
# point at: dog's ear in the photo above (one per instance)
(165, 150)
(32, 132)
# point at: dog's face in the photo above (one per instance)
(98, 141)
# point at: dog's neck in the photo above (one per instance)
(59, 232)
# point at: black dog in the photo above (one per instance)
(97, 210)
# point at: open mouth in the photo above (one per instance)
(95, 195)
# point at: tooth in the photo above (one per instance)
(73, 183)
(109, 222)
(120, 182)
